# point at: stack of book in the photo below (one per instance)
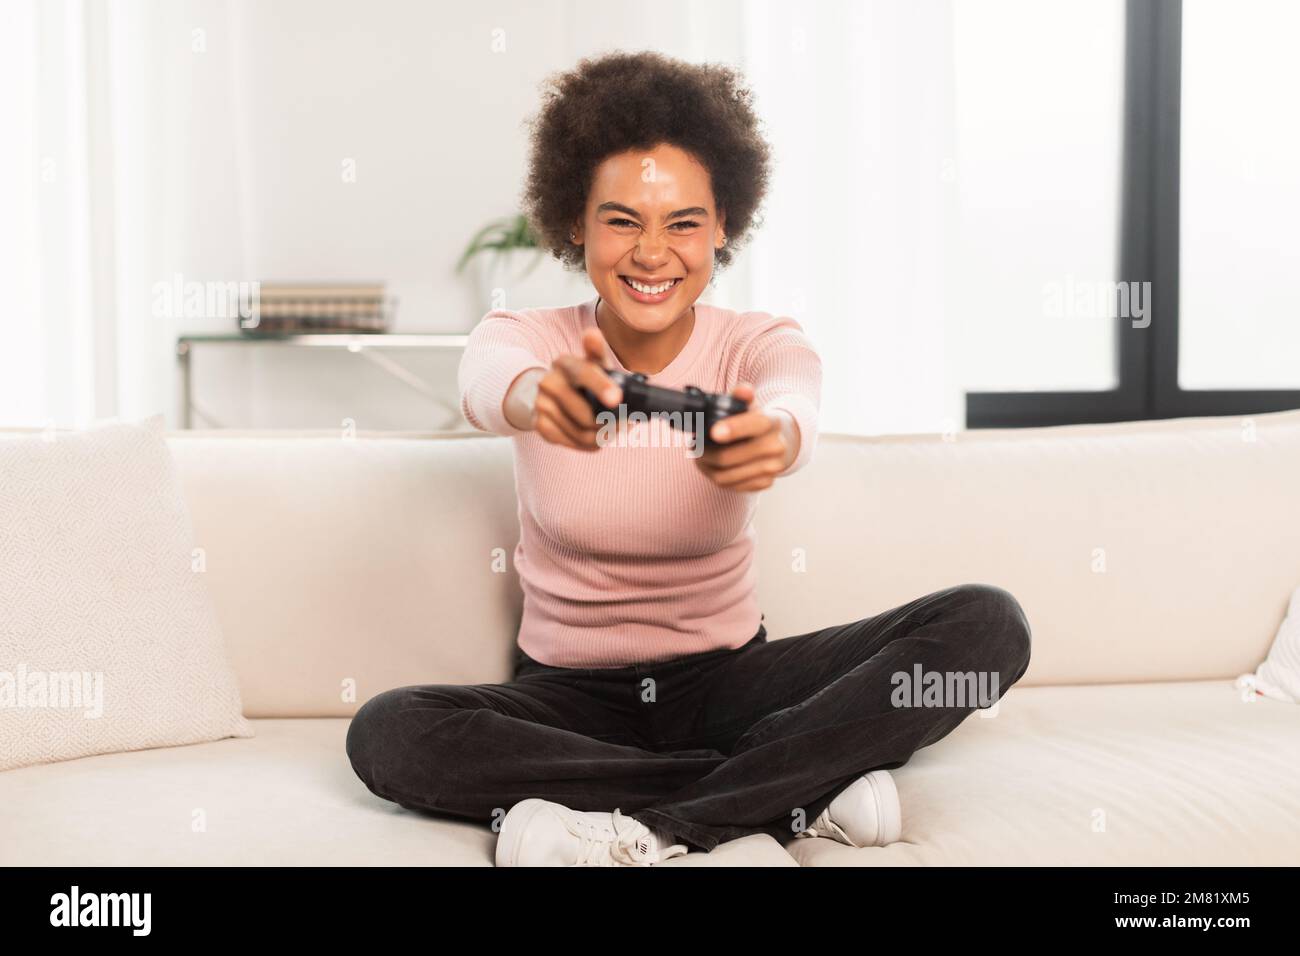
(318, 307)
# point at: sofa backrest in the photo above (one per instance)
(342, 567)
(1140, 551)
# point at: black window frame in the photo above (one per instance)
(1146, 358)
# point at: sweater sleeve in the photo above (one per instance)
(780, 362)
(502, 345)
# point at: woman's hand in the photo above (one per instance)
(753, 447)
(548, 401)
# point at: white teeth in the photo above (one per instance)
(651, 289)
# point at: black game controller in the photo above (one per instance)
(688, 408)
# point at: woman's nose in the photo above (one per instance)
(651, 252)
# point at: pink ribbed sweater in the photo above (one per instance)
(628, 554)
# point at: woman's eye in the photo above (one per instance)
(688, 223)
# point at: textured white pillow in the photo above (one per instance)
(109, 640)
(1279, 676)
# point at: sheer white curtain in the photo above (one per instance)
(858, 101)
(119, 173)
(56, 354)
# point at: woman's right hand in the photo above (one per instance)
(560, 413)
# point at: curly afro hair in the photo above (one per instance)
(624, 101)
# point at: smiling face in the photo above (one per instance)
(650, 219)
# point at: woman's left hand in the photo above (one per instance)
(750, 449)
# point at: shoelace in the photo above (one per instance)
(824, 826)
(628, 841)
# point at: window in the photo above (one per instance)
(1240, 196)
(1039, 97)
(1208, 202)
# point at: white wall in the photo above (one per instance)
(235, 121)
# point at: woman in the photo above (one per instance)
(648, 714)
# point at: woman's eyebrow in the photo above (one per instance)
(628, 210)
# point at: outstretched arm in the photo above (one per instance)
(781, 379)
(501, 352)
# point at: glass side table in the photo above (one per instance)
(372, 346)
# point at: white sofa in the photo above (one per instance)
(1153, 559)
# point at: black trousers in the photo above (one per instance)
(706, 747)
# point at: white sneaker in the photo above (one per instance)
(865, 813)
(537, 832)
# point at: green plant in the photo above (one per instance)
(501, 236)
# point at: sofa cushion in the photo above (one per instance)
(1177, 774)
(109, 639)
(1184, 773)
(1279, 676)
(285, 797)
